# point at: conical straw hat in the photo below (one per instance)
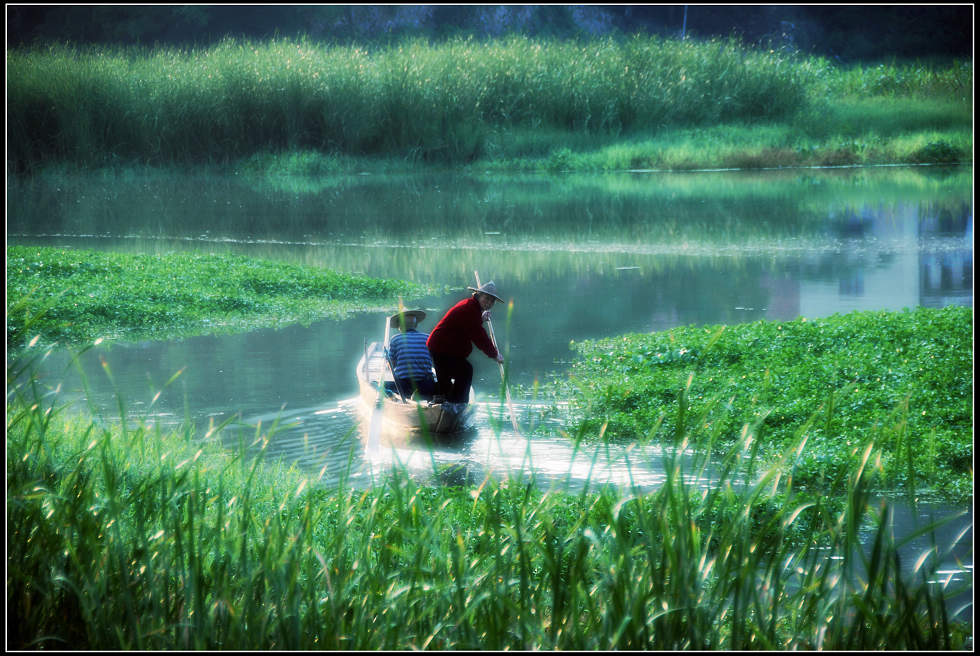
(489, 289)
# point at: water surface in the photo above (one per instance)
(580, 256)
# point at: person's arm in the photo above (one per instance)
(482, 339)
(486, 319)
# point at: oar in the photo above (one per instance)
(503, 377)
(377, 415)
(398, 388)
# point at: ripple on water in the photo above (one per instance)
(330, 441)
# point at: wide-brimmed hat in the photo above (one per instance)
(396, 319)
(489, 289)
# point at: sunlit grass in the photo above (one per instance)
(135, 538)
(458, 101)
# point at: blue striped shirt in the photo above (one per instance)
(410, 356)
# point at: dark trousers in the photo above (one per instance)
(408, 386)
(454, 377)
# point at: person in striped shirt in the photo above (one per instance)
(409, 356)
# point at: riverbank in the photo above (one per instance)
(129, 537)
(722, 147)
(75, 296)
(826, 388)
(509, 104)
(899, 379)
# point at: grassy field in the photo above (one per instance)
(900, 380)
(515, 103)
(75, 296)
(128, 537)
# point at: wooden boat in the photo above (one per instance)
(406, 417)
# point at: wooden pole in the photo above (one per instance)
(503, 377)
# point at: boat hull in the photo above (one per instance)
(407, 416)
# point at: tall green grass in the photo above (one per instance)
(129, 537)
(909, 79)
(440, 102)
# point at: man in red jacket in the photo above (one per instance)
(451, 341)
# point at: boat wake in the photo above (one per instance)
(333, 442)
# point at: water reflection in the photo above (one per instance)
(664, 210)
(559, 299)
(330, 443)
(308, 438)
(581, 256)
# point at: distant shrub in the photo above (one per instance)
(939, 152)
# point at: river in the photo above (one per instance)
(579, 255)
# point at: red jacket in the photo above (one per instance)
(459, 329)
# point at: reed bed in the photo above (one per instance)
(439, 102)
(129, 537)
(910, 79)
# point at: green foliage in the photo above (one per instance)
(439, 103)
(134, 539)
(937, 152)
(76, 296)
(916, 79)
(899, 379)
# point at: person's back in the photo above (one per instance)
(411, 362)
(410, 356)
(452, 341)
